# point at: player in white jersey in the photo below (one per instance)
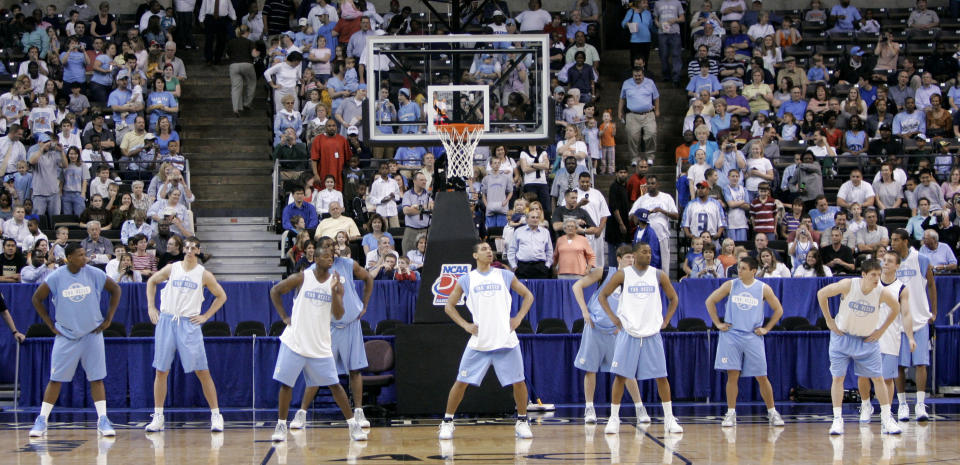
(493, 339)
(639, 318)
(741, 350)
(916, 274)
(600, 336)
(178, 328)
(346, 335)
(854, 335)
(305, 345)
(890, 341)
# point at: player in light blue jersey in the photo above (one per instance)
(75, 291)
(600, 336)
(740, 351)
(346, 335)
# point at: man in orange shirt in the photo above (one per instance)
(637, 181)
(683, 150)
(328, 155)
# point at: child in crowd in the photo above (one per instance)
(818, 71)
(591, 135)
(350, 80)
(608, 146)
(23, 181)
(789, 129)
(695, 253)
(759, 125)
(708, 266)
(404, 273)
(856, 221)
(60, 244)
(78, 104)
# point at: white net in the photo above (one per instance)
(460, 142)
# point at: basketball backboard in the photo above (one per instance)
(467, 78)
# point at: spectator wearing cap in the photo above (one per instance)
(217, 16)
(284, 78)
(350, 111)
(120, 102)
(639, 108)
(854, 68)
(886, 144)
(646, 235)
(668, 16)
(408, 112)
(796, 75)
(48, 160)
(704, 213)
(359, 149)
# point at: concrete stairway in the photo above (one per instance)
(229, 156)
(242, 248)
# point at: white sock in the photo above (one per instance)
(282, 422)
(588, 404)
(732, 411)
(614, 410)
(902, 397)
(667, 409)
(101, 406)
(837, 412)
(45, 409)
(638, 406)
(865, 404)
(921, 396)
(158, 410)
(213, 411)
(771, 411)
(885, 411)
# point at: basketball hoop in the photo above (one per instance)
(460, 140)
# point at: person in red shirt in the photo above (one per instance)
(636, 183)
(328, 155)
(345, 29)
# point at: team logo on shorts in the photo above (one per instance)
(724, 359)
(463, 372)
(76, 292)
(744, 301)
(444, 284)
(861, 308)
(614, 364)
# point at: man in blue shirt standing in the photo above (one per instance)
(75, 291)
(843, 17)
(639, 109)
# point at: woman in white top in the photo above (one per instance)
(284, 78)
(758, 170)
(697, 171)
(762, 28)
(812, 267)
(320, 59)
(854, 105)
(822, 150)
(573, 146)
(770, 267)
(507, 165)
(417, 254)
(772, 54)
(321, 200)
(802, 245)
(889, 191)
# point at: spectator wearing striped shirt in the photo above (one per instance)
(763, 212)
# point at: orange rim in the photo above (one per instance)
(457, 127)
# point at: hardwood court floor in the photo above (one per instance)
(804, 440)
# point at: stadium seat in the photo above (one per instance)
(57, 220)
(380, 360)
(691, 324)
(116, 329)
(277, 328)
(39, 330)
(791, 323)
(385, 325)
(215, 329)
(577, 326)
(143, 329)
(365, 328)
(525, 327)
(806, 327)
(554, 325)
(821, 323)
(250, 328)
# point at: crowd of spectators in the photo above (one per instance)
(91, 148)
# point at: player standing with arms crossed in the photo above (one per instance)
(916, 274)
(639, 319)
(305, 343)
(854, 335)
(178, 328)
(75, 290)
(346, 335)
(493, 339)
(890, 341)
(740, 350)
(600, 336)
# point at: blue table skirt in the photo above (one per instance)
(397, 300)
(242, 369)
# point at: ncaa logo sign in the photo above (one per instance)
(443, 286)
